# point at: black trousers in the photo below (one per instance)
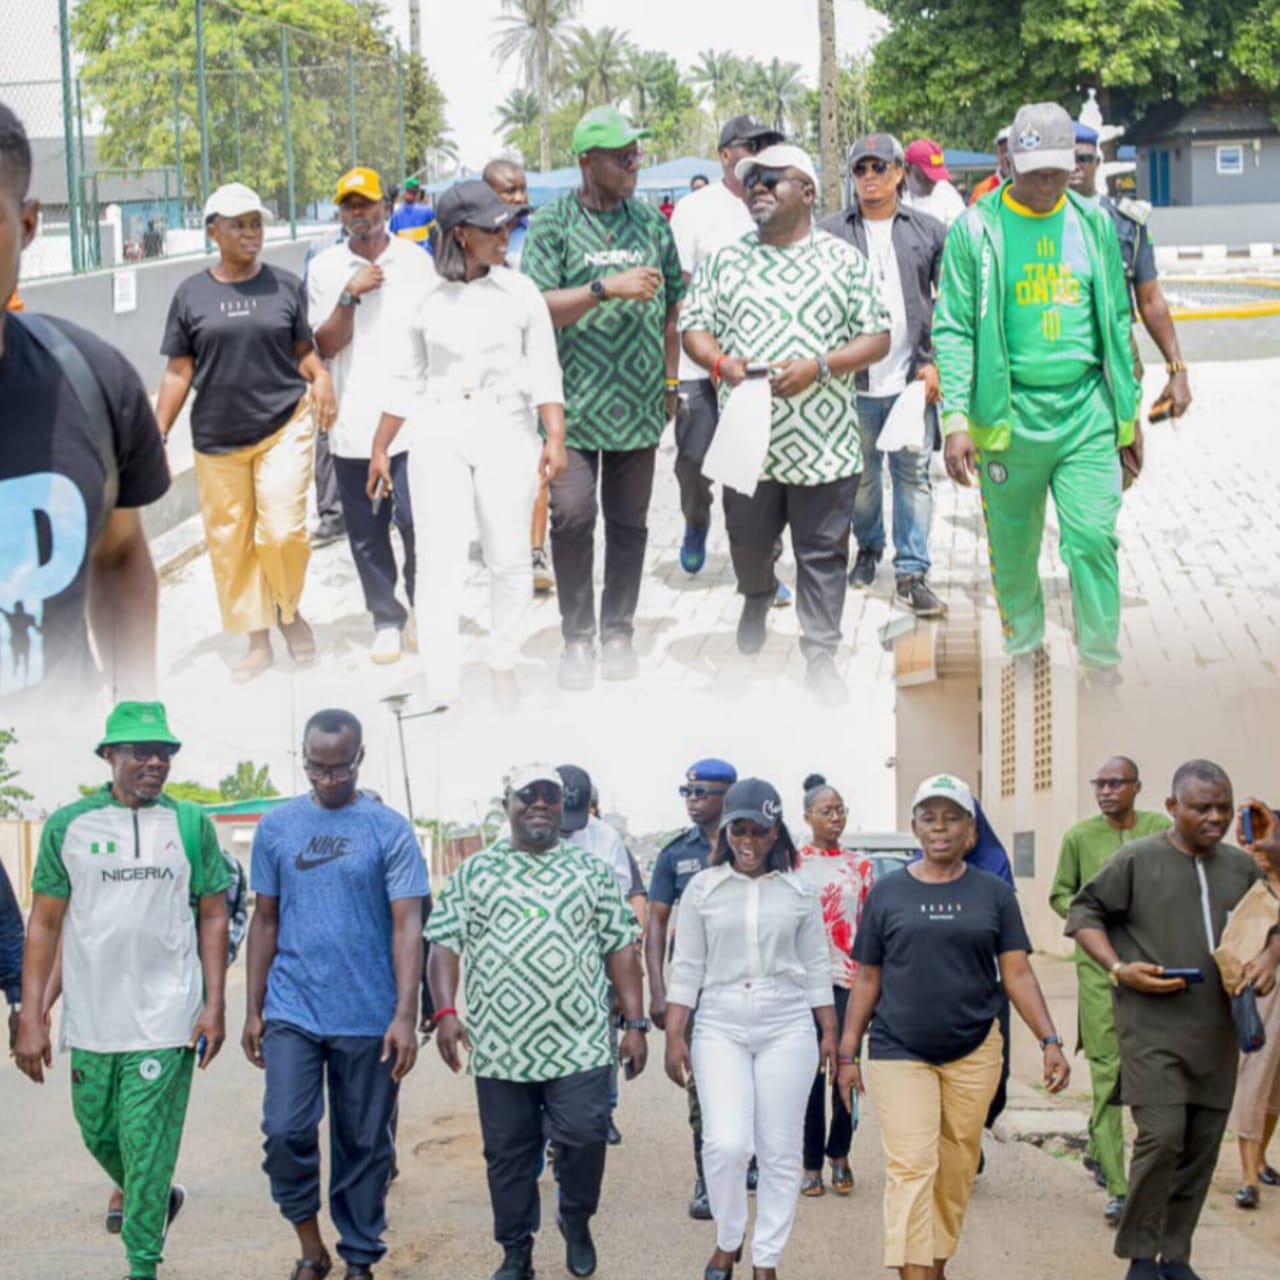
(328, 501)
(516, 1121)
(695, 427)
(623, 480)
(370, 536)
(817, 1140)
(1173, 1160)
(818, 516)
(1000, 1099)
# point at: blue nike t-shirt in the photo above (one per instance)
(336, 873)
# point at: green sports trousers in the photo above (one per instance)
(131, 1108)
(1102, 1049)
(1064, 443)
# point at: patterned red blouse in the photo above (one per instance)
(842, 879)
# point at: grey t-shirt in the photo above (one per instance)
(242, 337)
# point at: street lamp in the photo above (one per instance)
(397, 703)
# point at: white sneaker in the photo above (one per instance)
(386, 646)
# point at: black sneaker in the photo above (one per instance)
(751, 625)
(177, 1198)
(615, 1137)
(1176, 1271)
(914, 592)
(577, 666)
(699, 1204)
(863, 573)
(517, 1263)
(1115, 1207)
(579, 1248)
(825, 682)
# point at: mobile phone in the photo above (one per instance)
(201, 1045)
(758, 369)
(1161, 410)
(1246, 824)
(1191, 977)
(628, 1069)
(379, 492)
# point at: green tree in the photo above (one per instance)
(536, 33)
(11, 795)
(646, 72)
(716, 77)
(195, 792)
(596, 64)
(248, 782)
(777, 91)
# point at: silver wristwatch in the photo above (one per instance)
(348, 299)
(824, 370)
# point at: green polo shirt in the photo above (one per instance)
(783, 302)
(613, 359)
(533, 931)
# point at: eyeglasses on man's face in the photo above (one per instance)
(1112, 784)
(1084, 158)
(546, 792)
(145, 751)
(698, 792)
(769, 179)
(332, 772)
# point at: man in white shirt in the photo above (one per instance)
(904, 248)
(361, 295)
(704, 221)
(929, 186)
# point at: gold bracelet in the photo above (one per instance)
(1175, 366)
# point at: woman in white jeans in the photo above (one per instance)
(751, 956)
(484, 356)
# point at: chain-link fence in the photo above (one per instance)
(134, 119)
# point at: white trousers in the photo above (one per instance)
(471, 454)
(754, 1059)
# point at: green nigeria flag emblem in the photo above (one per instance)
(103, 846)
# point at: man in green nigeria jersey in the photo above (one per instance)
(1032, 337)
(1086, 849)
(608, 267)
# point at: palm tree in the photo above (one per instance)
(828, 73)
(597, 62)
(518, 113)
(717, 75)
(779, 89)
(536, 32)
(645, 71)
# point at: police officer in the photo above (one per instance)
(679, 861)
(1130, 219)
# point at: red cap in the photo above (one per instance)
(927, 154)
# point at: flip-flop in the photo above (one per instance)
(812, 1186)
(115, 1221)
(841, 1180)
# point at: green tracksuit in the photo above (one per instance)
(1031, 332)
(131, 1108)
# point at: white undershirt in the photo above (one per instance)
(889, 376)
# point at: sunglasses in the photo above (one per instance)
(547, 792)
(1112, 784)
(1086, 157)
(143, 751)
(624, 159)
(744, 828)
(769, 179)
(864, 167)
(334, 772)
(696, 792)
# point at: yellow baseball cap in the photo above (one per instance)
(359, 182)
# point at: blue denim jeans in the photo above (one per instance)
(912, 495)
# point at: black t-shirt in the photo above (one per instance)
(52, 499)
(937, 947)
(242, 338)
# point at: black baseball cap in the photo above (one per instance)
(577, 797)
(752, 800)
(749, 129)
(475, 204)
(876, 146)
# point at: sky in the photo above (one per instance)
(463, 59)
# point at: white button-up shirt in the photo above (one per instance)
(736, 929)
(492, 336)
(379, 350)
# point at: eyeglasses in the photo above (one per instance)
(836, 811)
(696, 792)
(769, 179)
(864, 167)
(144, 751)
(334, 772)
(1086, 157)
(624, 159)
(1111, 784)
(547, 792)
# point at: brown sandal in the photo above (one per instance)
(308, 1267)
(299, 639)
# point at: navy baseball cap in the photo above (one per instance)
(577, 797)
(711, 770)
(752, 800)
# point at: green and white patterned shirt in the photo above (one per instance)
(533, 930)
(613, 358)
(767, 302)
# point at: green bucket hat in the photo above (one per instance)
(605, 129)
(137, 722)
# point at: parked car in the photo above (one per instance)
(889, 851)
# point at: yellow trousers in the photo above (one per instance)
(931, 1122)
(254, 505)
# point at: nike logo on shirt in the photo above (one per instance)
(321, 850)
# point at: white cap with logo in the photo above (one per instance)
(943, 786)
(782, 155)
(234, 200)
(1043, 137)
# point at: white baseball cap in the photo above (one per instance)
(525, 775)
(1043, 136)
(782, 155)
(234, 200)
(943, 786)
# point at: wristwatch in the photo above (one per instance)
(597, 290)
(1048, 1040)
(633, 1024)
(824, 370)
(1113, 974)
(348, 299)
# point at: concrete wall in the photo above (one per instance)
(1234, 225)
(938, 731)
(87, 300)
(1194, 180)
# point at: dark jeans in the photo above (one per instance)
(328, 501)
(516, 1121)
(370, 536)
(817, 1141)
(624, 480)
(819, 517)
(1000, 1099)
(695, 427)
(362, 1100)
(1173, 1159)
